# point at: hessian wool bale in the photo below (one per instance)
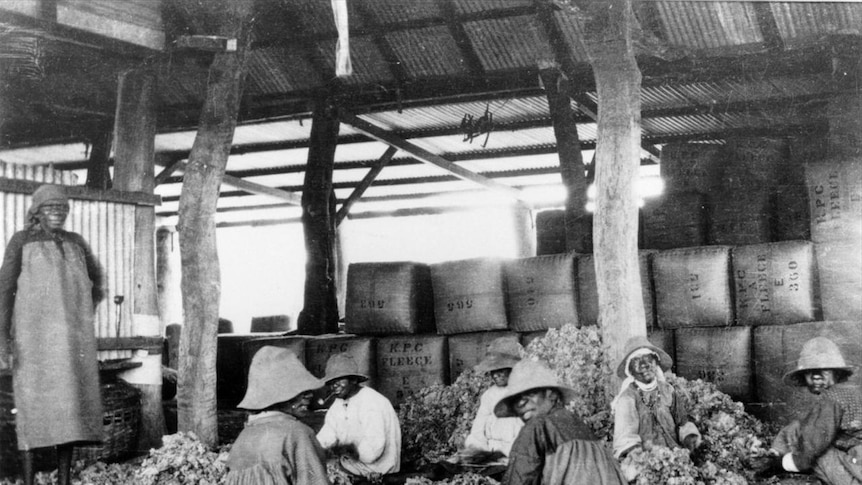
(541, 292)
(718, 355)
(389, 298)
(408, 363)
(469, 295)
(692, 287)
(674, 220)
(774, 283)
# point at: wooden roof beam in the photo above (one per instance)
(364, 184)
(424, 155)
(383, 45)
(462, 40)
(768, 27)
(408, 181)
(255, 188)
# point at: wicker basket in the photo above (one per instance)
(121, 419)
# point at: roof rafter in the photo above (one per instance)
(462, 40)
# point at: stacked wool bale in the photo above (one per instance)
(740, 205)
(694, 299)
(678, 218)
(730, 308)
(551, 233)
(751, 189)
(835, 198)
(394, 301)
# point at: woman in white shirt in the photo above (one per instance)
(490, 434)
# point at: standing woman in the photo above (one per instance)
(555, 446)
(50, 284)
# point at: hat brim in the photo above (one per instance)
(256, 399)
(505, 406)
(664, 360)
(342, 375)
(496, 362)
(796, 377)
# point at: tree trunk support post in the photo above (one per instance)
(134, 171)
(608, 32)
(197, 409)
(320, 310)
(572, 167)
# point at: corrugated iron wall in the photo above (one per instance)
(108, 227)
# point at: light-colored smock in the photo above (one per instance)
(275, 448)
(660, 416)
(488, 432)
(49, 286)
(368, 421)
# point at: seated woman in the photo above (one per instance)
(555, 446)
(490, 436)
(648, 408)
(275, 447)
(827, 441)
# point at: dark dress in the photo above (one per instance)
(558, 448)
(276, 449)
(49, 287)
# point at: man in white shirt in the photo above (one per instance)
(361, 429)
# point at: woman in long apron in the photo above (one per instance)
(50, 283)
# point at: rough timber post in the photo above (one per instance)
(568, 149)
(200, 281)
(134, 170)
(320, 310)
(608, 32)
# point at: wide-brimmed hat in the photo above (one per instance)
(47, 193)
(276, 375)
(641, 342)
(342, 365)
(528, 375)
(817, 353)
(502, 353)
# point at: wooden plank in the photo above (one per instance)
(169, 170)
(364, 184)
(82, 193)
(259, 189)
(425, 156)
(153, 345)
